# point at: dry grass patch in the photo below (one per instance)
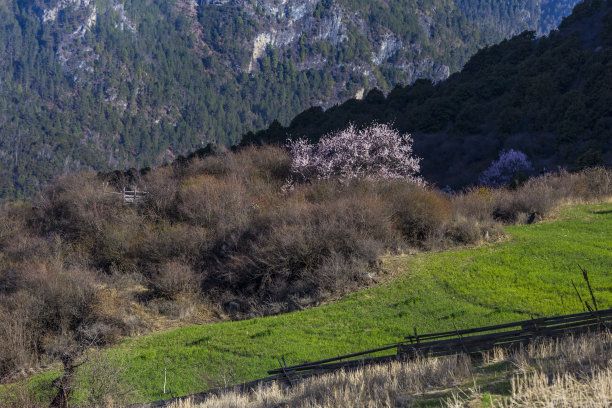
(564, 391)
(380, 385)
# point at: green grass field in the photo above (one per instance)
(529, 274)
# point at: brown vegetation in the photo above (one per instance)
(220, 237)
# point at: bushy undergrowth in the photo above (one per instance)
(220, 237)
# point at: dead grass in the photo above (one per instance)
(565, 390)
(381, 385)
(569, 372)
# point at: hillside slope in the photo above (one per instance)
(530, 274)
(549, 97)
(111, 84)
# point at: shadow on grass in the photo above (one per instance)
(496, 378)
(199, 341)
(492, 381)
(428, 400)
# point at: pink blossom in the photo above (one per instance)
(376, 152)
(510, 164)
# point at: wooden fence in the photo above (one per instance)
(475, 341)
(470, 341)
(133, 196)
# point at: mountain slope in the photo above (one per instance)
(549, 97)
(114, 83)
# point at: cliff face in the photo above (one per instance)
(308, 23)
(313, 29)
(513, 17)
(309, 30)
(71, 21)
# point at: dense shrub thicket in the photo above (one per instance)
(220, 237)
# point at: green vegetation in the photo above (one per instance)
(547, 97)
(529, 274)
(533, 271)
(154, 79)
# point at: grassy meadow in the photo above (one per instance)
(527, 274)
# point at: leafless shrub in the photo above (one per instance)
(218, 164)
(304, 250)
(163, 188)
(218, 204)
(420, 214)
(268, 162)
(162, 242)
(114, 243)
(101, 380)
(173, 279)
(467, 231)
(592, 183)
(75, 205)
(272, 163)
(45, 315)
(476, 204)
(14, 220)
(16, 338)
(26, 247)
(535, 196)
(534, 199)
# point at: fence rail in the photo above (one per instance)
(470, 341)
(133, 196)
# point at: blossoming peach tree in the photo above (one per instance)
(511, 164)
(374, 152)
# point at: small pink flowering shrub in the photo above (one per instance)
(511, 164)
(375, 152)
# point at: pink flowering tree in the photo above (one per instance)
(510, 165)
(375, 152)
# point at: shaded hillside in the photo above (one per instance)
(111, 83)
(514, 16)
(549, 97)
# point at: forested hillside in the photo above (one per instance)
(549, 97)
(112, 83)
